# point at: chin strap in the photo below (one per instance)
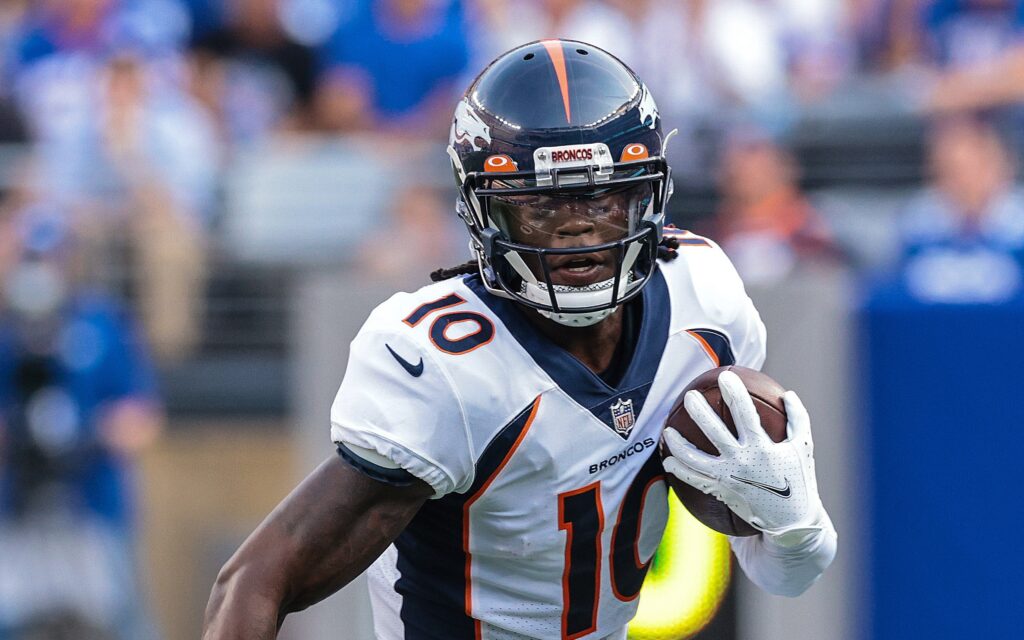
(577, 319)
(577, 297)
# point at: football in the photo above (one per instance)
(767, 396)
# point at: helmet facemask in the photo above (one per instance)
(575, 244)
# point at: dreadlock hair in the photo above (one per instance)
(668, 250)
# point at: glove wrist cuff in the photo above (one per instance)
(800, 536)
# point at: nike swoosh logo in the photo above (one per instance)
(414, 369)
(782, 492)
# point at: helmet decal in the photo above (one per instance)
(468, 126)
(500, 163)
(554, 49)
(648, 108)
(635, 151)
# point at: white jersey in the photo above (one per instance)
(549, 496)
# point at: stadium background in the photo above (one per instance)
(240, 181)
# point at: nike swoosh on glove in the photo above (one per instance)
(769, 484)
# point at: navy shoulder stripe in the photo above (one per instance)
(716, 344)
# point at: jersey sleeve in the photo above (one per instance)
(741, 320)
(749, 334)
(713, 290)
(397, 401)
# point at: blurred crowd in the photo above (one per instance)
(136, 108)
(120, 120)
(234, 71)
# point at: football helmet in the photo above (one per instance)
(558, 152)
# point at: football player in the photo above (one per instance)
(497, 431)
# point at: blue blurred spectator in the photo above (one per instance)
(124, 146)
(963, 235)
(76, 26)
(78, 61)
(393, 64)
(689, 54)
(255, 76)
(105, 126)
(686, 52)
(935, 33)
(205, 15)
(969, 32)
(77, 403)
(135, 158)
(98, 27)
(12, 16)
(92, 357)
(977, 50)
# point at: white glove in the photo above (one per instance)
(770, 485)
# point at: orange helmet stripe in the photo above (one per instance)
(554, 49)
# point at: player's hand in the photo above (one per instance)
(770, 485)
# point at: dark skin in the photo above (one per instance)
(327, 532)
(338, 521)
(594, 346)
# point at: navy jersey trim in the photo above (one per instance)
(500, 449)
(396, 477)
(584, 386)
(431, 580)
(433, 552)
(716, 344)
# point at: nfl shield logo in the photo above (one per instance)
(622, 416)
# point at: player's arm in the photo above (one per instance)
(327, 532)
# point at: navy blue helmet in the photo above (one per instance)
(558, 151)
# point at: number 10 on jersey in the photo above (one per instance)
(688, 575)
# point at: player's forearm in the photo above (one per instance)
(256, 590)
(787, 567)
(244, 604)
(316, 541)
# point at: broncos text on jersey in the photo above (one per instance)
(549, 498)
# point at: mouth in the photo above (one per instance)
(579, 270)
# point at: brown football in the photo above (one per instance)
(767, 396)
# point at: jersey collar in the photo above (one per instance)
(575, 379)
